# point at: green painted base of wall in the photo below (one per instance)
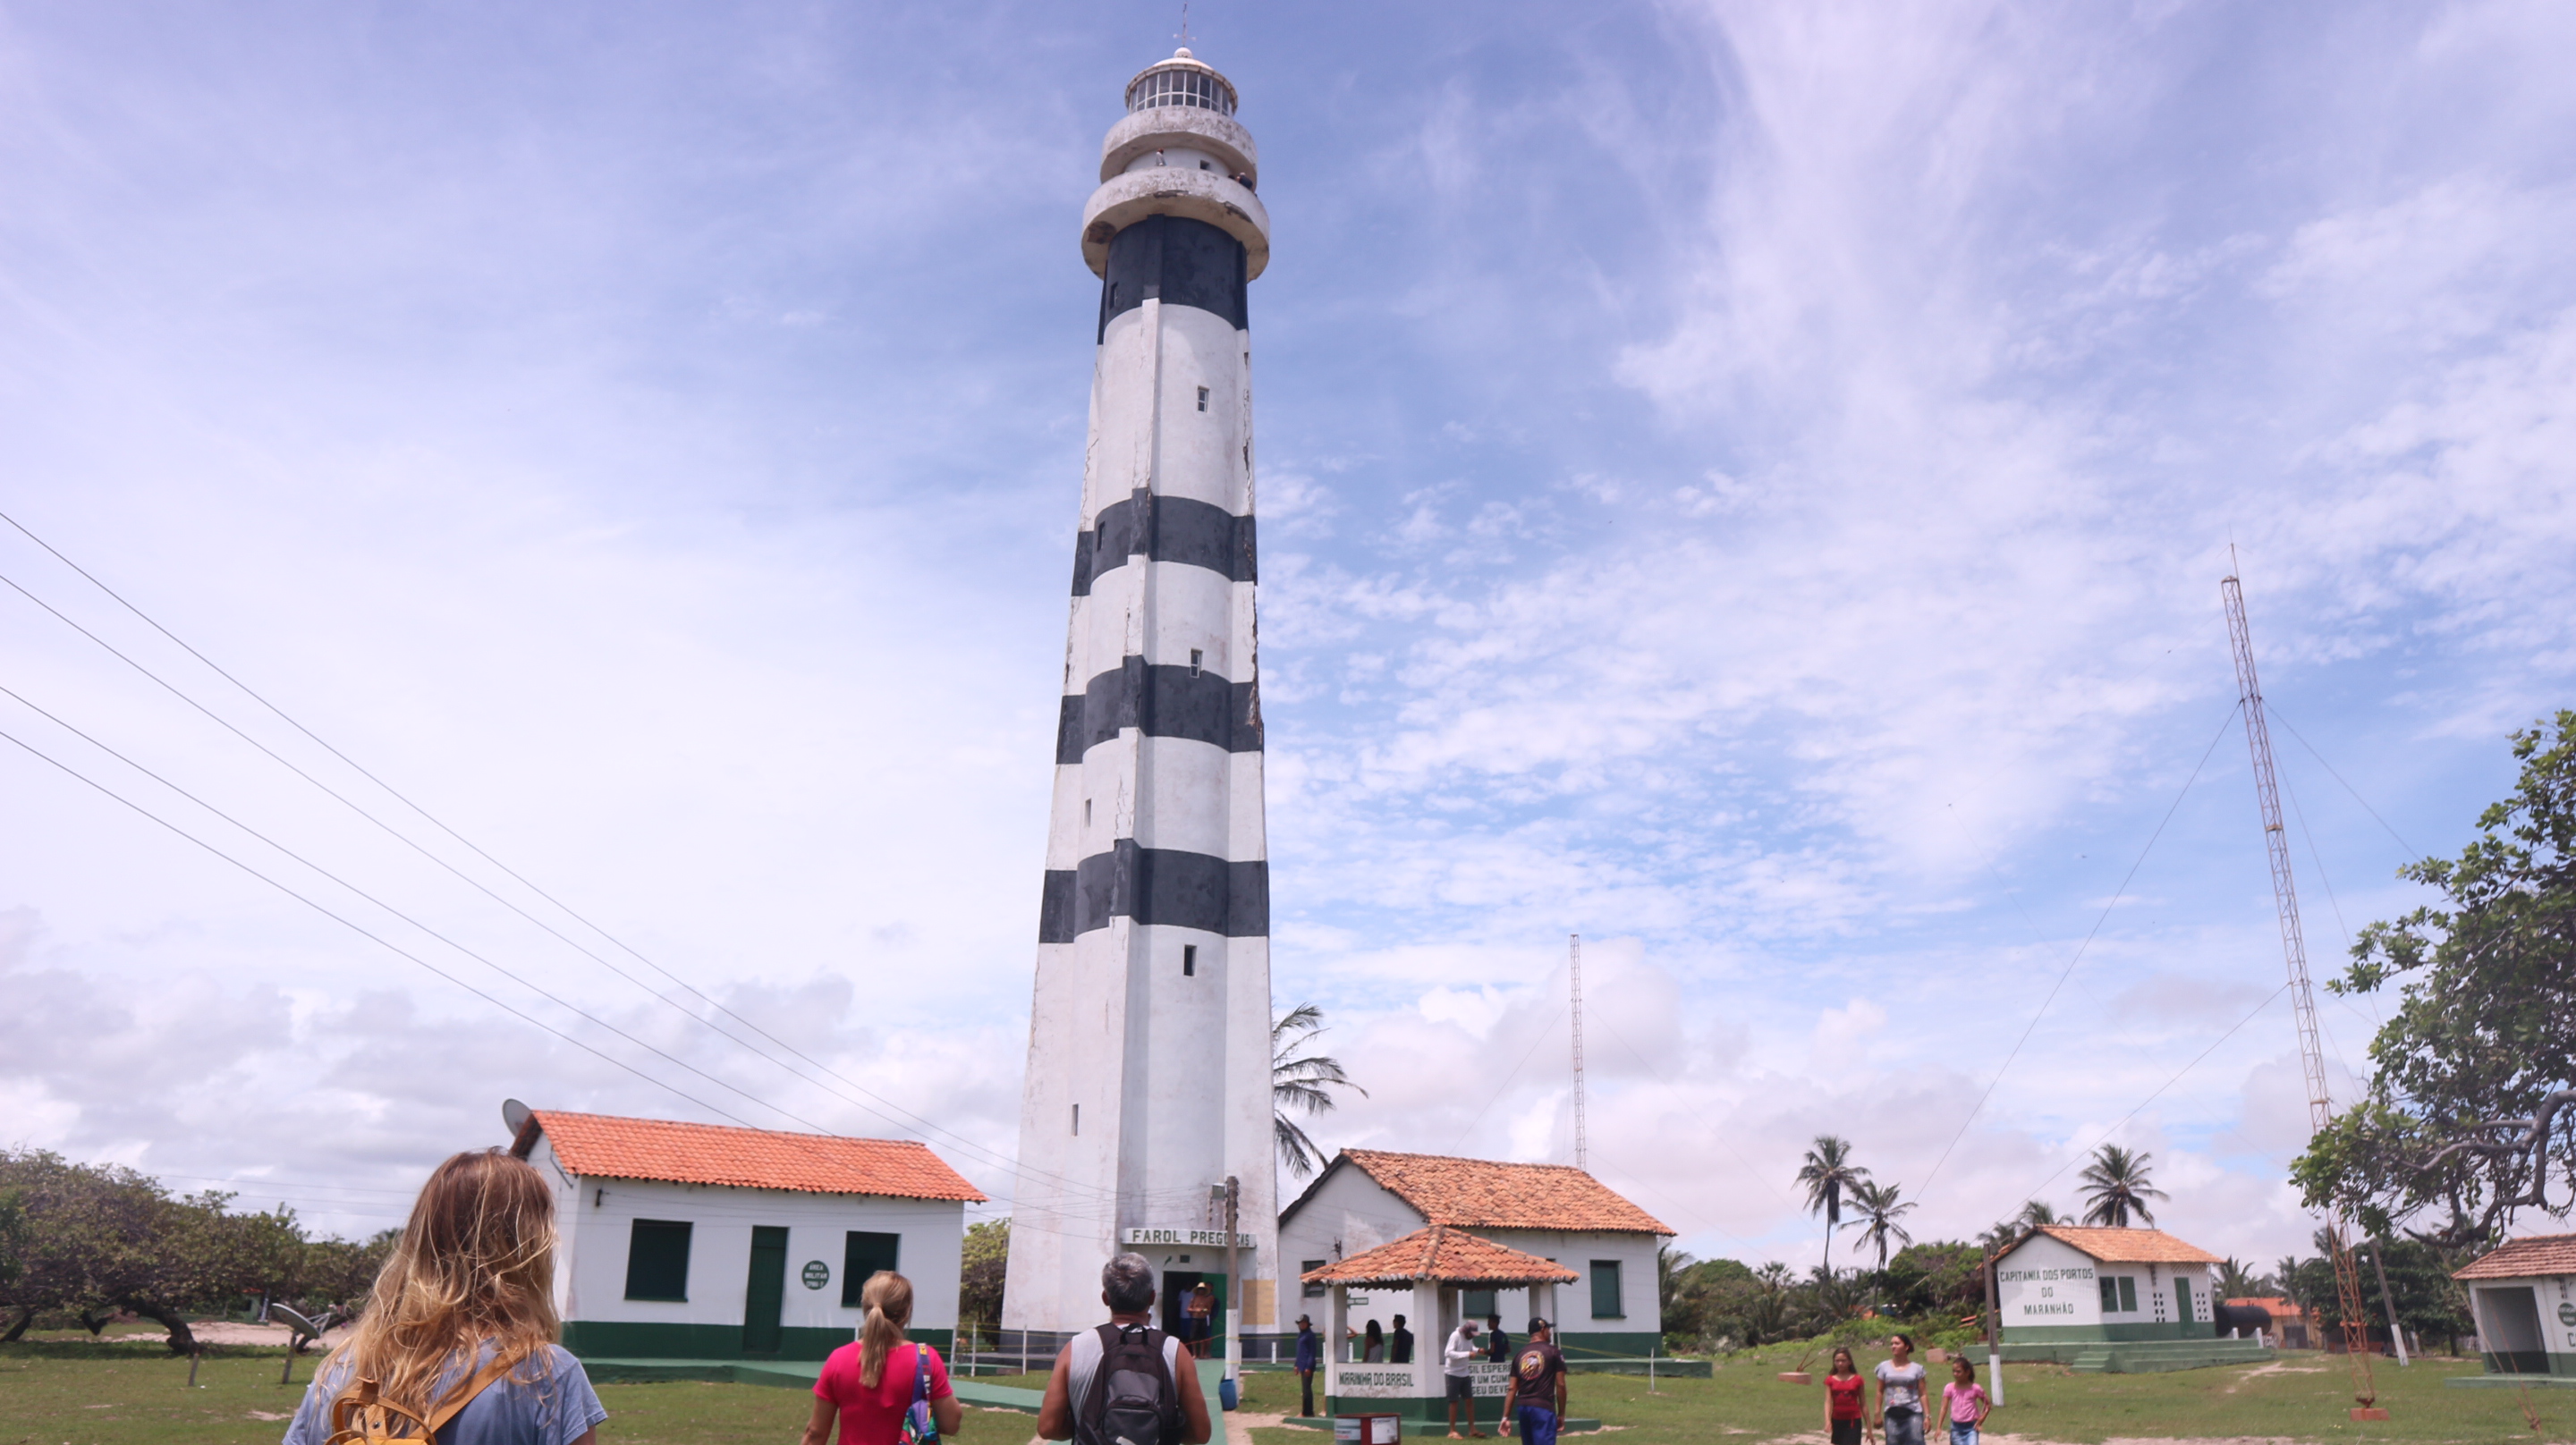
(2513, 1382)
(2529, 1364)
(1580, 1344)
(2139, 1357)
(628, 1340)
(2095, 1334)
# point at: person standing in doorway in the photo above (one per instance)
(1964, 1401)
(1201, 1312)
(1457, 1366)
(1534, 1397)
(1402, 1354)
(1310, 1353)
(1900, 1392)
(1846, 1412)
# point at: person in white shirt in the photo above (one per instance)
(1457, 1360)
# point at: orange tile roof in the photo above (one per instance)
(2128, 1246)
(2521, 1258)
(2278, 1306)
(605, 1147)
(1486, 1194)
(1444, 1254)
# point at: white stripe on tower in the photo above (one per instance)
(1149, 1031)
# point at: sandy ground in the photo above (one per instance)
(233, 1332)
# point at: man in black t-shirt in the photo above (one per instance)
(1400, 1352)
(1534, 1401)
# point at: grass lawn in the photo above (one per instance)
(88, 1393)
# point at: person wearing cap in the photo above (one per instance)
(1534, 1399)
(1310, 1353)
(1457, 1364)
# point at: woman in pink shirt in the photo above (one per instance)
(1967, 1403)
(872, 1384)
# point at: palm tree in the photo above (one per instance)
(1875, 1210)
(1827, 1175)
(2241, 1279)
(2117, 1185)
(1301, 1083)
(2037, 1212)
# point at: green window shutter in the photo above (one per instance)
(2110, 1295)
(2128, 1294)
(862, 1256)
(1475, 1304)
(1605, 1290)
(1313, 1291)
(2182, 1299)
(657, 1260)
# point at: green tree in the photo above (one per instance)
(2117, 1185)
(982, 1267)
(1301, 1083)
(1827, 1175)
(2239, 1279)
(2474, 1073)
(1876, 1208)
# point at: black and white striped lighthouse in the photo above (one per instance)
(1149, 1033)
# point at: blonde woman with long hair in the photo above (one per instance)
(872, 1383)
(459, 1333)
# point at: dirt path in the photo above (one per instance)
(233, 1332)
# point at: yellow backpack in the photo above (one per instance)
(358, 1417)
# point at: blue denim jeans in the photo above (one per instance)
(1904, 1427)
(1962, 1434)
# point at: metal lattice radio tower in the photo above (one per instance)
(1574, 967)
(2303, 1006)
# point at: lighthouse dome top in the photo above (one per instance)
(1182, 80)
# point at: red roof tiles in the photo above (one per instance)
(1444, 1254)
(605, 1147)
(1486, 1194)
(2533, 1254)
(2129, 1246)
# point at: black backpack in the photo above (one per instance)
(1133, 1399)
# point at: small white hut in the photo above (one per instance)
(2112, 1299)
(2524, 1295)
(699, 1242)
(1427, 1273)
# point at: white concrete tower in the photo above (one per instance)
(1149, 1033)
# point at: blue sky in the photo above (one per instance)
(1747, 483)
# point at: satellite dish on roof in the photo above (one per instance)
(515, 1114)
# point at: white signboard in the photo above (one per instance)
(1492, 1378)
(1374, 1384)
(1208, 1238)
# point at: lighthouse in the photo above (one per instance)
(1148, 1079)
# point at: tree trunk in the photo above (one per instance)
(18, 1326)
(182, 1340)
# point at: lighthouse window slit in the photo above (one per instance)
(1086, 812)
(1202, 398)
(1077, 1120)
(1195, 655)
(1189, 960)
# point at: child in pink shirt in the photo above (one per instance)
(1966, 1403)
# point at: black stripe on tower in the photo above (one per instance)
(1177, 261)
(1160, 700)
(1164, 529)
(1158, 886)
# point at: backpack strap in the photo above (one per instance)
(483, 1380)
(920, 1373)
(362, 1413)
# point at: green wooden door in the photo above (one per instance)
(766, 1290)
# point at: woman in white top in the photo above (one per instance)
(1900, 1392)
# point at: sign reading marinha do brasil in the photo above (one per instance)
(1206, 1238)
(816, 1274)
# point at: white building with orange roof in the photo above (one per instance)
(701, 1242)
(2524, 1295)
(1369, 1197)
(2114, 1299)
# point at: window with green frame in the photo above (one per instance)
(2119, 1294)
(657, 1260)
(862, 1255)
(1312, 1289)
(1605, 1290)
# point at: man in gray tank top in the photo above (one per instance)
(1127, 1287)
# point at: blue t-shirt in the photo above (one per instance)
(547, 1400)
(1310, 1350)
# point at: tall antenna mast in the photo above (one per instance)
(2303, 1005)
(1574, 965)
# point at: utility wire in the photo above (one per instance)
(2167, 1084)
(880, 1103)
(2274, 713)
(2069, 970)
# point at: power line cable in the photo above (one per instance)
(2078, 957)
(908, 1120)
(2274, 713)
(2267, 1002)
